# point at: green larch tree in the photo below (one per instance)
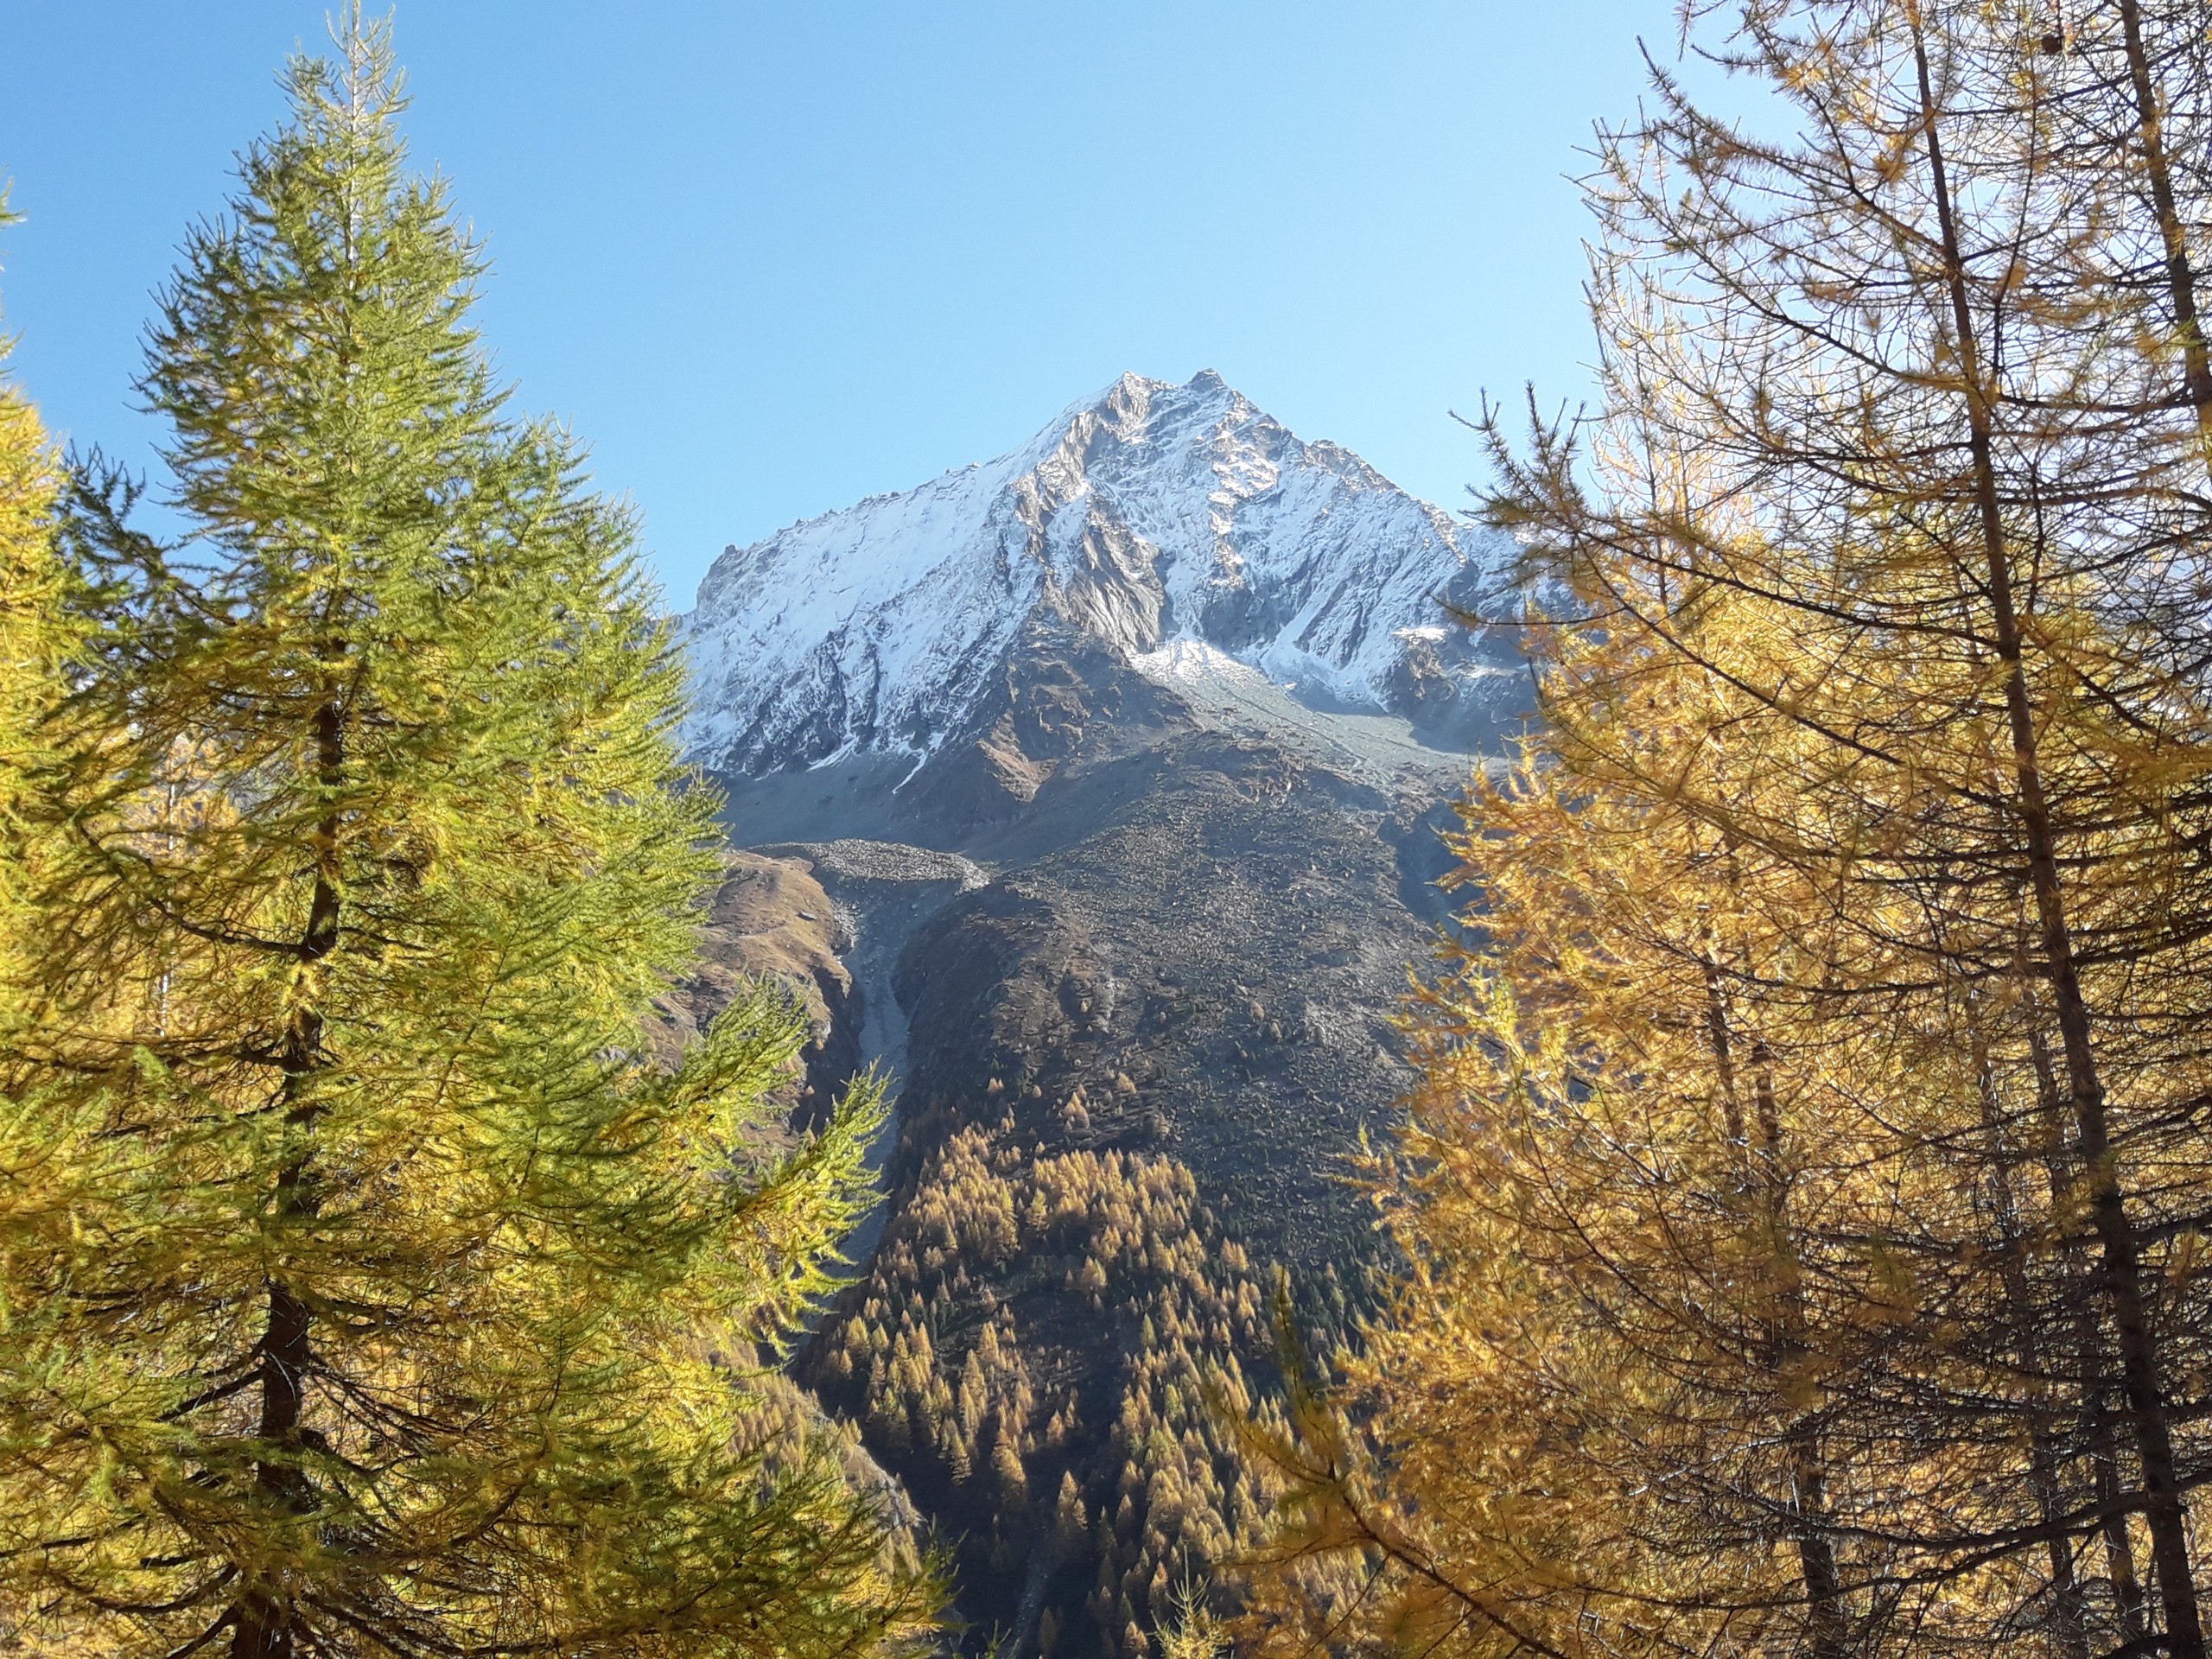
(399, 1303)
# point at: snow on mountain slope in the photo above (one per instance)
(1150, 514)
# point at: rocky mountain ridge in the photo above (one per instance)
(1149, 515)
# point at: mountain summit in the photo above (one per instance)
(1151, 516)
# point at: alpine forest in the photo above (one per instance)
(1153, 1050)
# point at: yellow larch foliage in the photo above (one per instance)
(1801, 1192)
(33, 636)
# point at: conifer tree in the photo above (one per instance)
(1859, 849)
(399, 1303)
(1609, 1385)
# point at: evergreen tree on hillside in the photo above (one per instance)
(400, 1304)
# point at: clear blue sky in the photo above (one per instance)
(768, 258)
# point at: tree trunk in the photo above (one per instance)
(2096, 1421)
(2070, 1615)
(264, 1625)
(1827, 1619)
(1827, 1623)
(2181, 279)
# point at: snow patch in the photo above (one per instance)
(1193, 660)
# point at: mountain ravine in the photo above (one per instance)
(1119, 763)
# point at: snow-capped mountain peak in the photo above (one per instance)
(1151, 514)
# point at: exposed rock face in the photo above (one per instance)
(878, 893)
(771, 916)
(1123, 761)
